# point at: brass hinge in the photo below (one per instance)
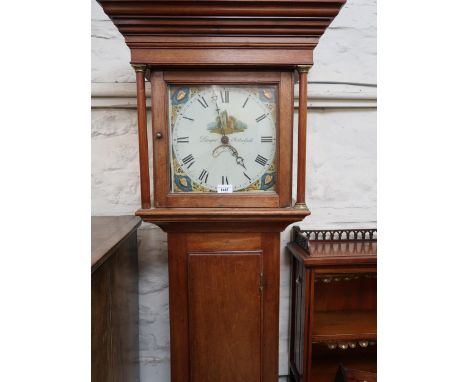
(262, 282)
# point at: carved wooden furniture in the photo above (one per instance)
(334, 303)
(226, 68)
(114, 299)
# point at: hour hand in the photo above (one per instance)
(240, 161)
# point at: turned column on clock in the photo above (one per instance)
(303, 70)
(142, 136)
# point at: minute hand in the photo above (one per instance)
(224, 138)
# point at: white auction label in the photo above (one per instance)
(224, 188)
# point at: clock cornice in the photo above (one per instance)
(276, 33)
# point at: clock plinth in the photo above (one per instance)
(222, 76)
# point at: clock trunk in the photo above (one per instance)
(224, 299)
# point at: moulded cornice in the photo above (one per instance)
(190, 32)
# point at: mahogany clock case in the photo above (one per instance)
(163, 197)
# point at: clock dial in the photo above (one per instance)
(222, 135)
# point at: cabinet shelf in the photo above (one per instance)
(344, 325)
(325, 368)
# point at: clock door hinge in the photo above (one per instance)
(262, 282)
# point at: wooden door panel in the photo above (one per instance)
(225, 316)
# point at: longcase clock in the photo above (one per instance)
(222, 76)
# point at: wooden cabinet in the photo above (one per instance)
(114, 299)
(334, 303)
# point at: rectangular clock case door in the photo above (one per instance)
(224, 312)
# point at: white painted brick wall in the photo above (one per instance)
(341, 188)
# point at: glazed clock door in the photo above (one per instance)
(222, 139)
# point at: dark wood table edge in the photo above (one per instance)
(132, 227)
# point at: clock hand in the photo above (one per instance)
(234, 153)
(216, 151)
(239, 159)
(224, 137)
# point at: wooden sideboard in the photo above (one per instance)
(114, 299)
(333, 303)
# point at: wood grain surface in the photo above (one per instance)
(302, 138)
(225, 316)
(223, 312)
(143, 140)
(345, 325)
(114, 300)
(173, 32)
(106, 234)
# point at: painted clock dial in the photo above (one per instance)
(222, 135)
